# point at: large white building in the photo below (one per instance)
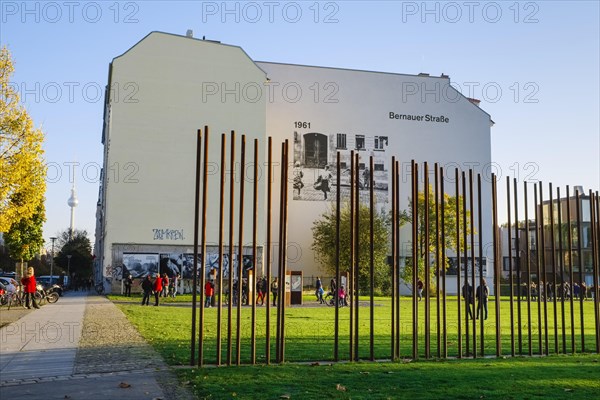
(167, 86)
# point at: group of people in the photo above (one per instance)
(160, 286)
(549, 290)
(482, 295)
(28, 286)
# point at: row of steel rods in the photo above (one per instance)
(558, 242)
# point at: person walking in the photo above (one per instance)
(128, 283)
(157, 287)
(260, 297)
(29, 288)
(174, 284)
(420, 289)
(274, 290)
(209, 290)
(467, 294)
(165, 285)
(147, 289)
(483, 293)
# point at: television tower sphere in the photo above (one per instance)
(73, 201)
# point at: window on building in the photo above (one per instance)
(341, 141)
(360, 142)
(379, 167)
(381, 142)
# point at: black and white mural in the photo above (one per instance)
(138, 265)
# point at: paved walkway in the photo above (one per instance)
(81, 347)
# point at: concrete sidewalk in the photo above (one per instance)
(68, 350)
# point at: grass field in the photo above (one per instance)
(309, 337)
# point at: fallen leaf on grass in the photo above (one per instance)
(568, 390)
(284, 396)
(364, 372)
(340, 388)
(124, 385)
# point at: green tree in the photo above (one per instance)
(22, 168)
(450, 217)
(325, 238)
(79, 247)
(25, 238)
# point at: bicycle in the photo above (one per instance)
(99, 288)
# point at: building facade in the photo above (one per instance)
(174, 85)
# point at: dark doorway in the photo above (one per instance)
(315, 150)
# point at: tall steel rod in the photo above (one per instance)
(497, 267)
(281, 277)
(268, 256)
(595, 230)
(231, 248)
(437, 260)
(203, 248)
(220, 256)
(238, 327)
(519, 270)
(538, 258)
(544, 289)
(467, 291)
(393, 266)
(415, 251)
(561, 258)
(350, 281)
(284, 258)
(372, 262)
(196, 228)
(570, 260)
(510, 269)
(397, 283)
(472, 237)
(357, 258)
(528, 268)
(338, 204)
(252, 285)
(427, 270)
(458, 262)
(581, 278)
(443, 266)
(553, 255)
(481, 278)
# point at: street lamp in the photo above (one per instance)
(69, 269)
(52, 259)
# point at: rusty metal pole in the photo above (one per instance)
(528, 268)
(372, 262)
(280, 276)
(538, 258)
(562, 271)
(437, 260)
(415, 251)
(269, 256)
(393, 266)
(481, 278)
(427, 259)
(581, 278)
(570, 260)
(238, 343)
(338, 204)
(196, 228)
(473, 271)
(543, 261)
(284, 245)
(595, 230)
(397, 283)
(467, 292)
(350, 280)
(553, 250)
(231, 249)
(221, 232)
(497, 267)
(252, 285)
(357, 260)
(519, 270)
(458, 262)
(203, 248)
(443, 263)
(510, 269)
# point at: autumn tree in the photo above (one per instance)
(22, 169)
(24, 239)
(435, 240)
(325, 238)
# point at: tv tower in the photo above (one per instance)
(72, 202)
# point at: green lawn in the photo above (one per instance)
(309, 337)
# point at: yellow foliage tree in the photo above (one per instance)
(22, 167)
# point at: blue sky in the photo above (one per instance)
(534, 65)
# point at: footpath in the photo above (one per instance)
(82, 347)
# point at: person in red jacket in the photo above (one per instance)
(209, 291)
(29, 287)
(157, 288)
